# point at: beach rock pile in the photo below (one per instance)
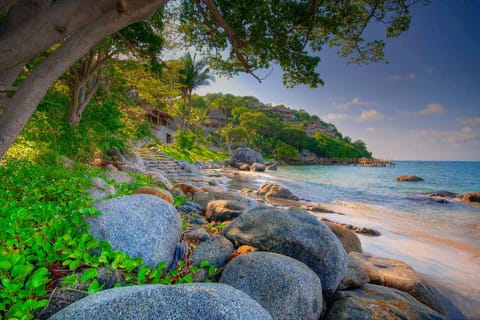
(294, 233)
(246, 159)
(272, 263)
(409, 178)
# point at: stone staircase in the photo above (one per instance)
(154, 159)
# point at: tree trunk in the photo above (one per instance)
(189, 109)
(21, 106)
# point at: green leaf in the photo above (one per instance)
(70, 280)
(75, 264)
(94, 287)
(40, 277)
(204, 264)
(5, 265)
(89, 274)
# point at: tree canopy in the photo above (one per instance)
(235, 36)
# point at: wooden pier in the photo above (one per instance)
(372, 162)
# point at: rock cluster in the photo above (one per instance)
(272, 263)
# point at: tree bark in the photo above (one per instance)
(51, 22)
(21, 106)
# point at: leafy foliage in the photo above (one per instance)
(289, 33)
(43, 214)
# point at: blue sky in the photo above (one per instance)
(423, 105)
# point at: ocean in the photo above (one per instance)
(439, 240)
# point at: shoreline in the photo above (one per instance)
(449, 264)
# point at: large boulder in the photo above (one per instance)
(294, 233)
(378, 303)
(140, 225)
(247, 155)
(409, 178)
(397, 274)
(285, 287)
(348, 238)
(215, 250)
(223, 210)
(213, 301)
(274, 190)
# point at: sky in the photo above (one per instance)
(423, 105)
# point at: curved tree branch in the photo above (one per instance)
(21, 106)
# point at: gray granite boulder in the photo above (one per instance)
(285, 287)
(198, 301)
(378, 303)
(140, 225)
(215, 250)
(397, 274)
(247, 155)
(294, 233)
(223, 210)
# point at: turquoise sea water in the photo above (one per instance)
(378, 185)
(439, 240)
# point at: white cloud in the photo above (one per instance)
(335, 116)
(465, 135)
(354, 102)
(371, 129)
(369, 115)
(432, 108)
(409, 76)
(471, 122)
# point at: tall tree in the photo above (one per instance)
(254, 34)
(140, 40)
(193, 75)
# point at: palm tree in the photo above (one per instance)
(193, 74)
